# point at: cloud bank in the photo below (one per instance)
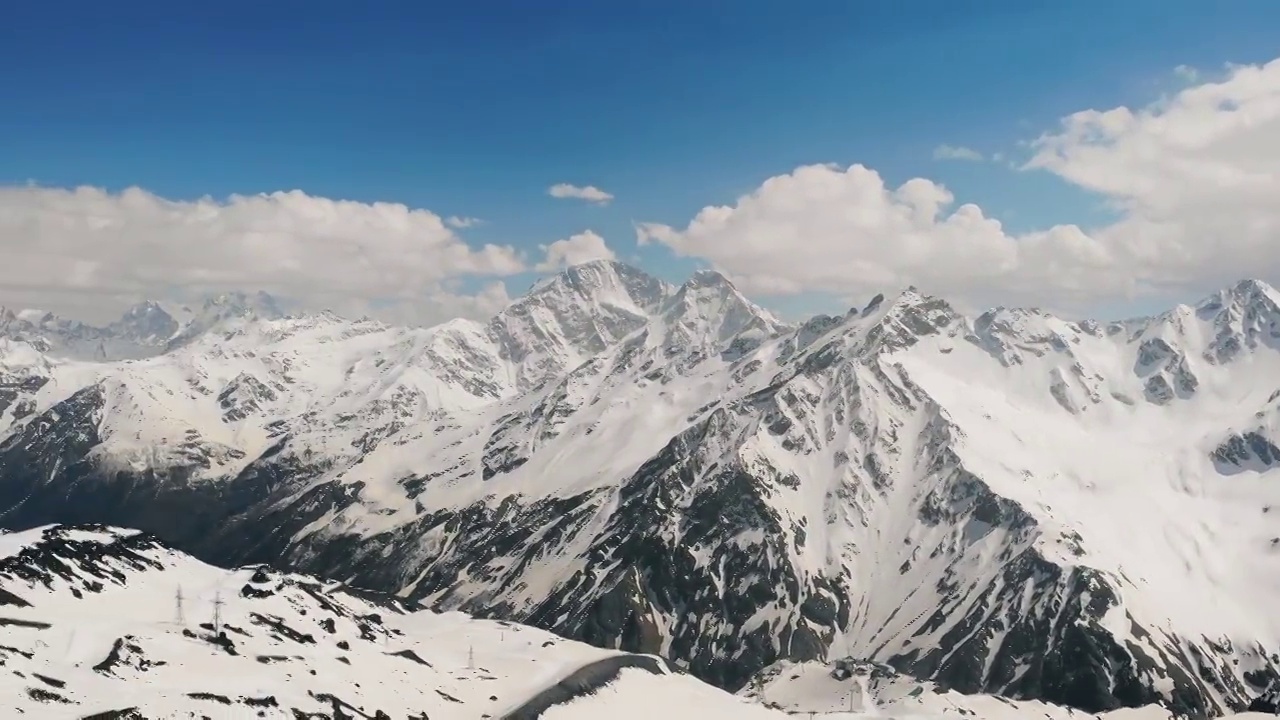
(1193, 180)
(1193, 177)
(92, 248)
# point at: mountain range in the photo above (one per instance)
(1081, 513)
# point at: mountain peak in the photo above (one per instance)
(146, 322)
(709, 278)
(1247, 296)
(1253, 286)
(898, 322)
(602, 282)
(1252, 291)
(575, 314)
(708, 307)
(599, 264)
(1245, 292)
(1244, 316)
(911, 298)
(581, 271)
(906, 297)
(705, 283)
(143, 311)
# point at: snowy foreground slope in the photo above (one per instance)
(92, 624)
(102, 620)
(1082, 513)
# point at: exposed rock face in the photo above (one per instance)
(15, 395)
(1268, 701)
(1006, 504)
(1249, 449)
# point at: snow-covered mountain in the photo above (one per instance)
(1081, 513)
(146, 329)
(108, 623)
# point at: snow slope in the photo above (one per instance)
(1081, 513)
(98, 619)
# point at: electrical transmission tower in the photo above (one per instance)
(178, 614)
(217, 613)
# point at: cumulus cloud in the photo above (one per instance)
(843, 230)
(952, 152)
(97, 250)
(590, 193)
(1194, 179)
(460, 222)
(580, 248)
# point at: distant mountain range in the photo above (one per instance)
(1081, 513)
(146, 329)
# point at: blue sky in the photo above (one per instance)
(475, 108)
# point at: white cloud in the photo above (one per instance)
(1186, 73)
(952, 152)
(830, 229)
(91, 251)
(461, 222)
(580, 248)
(438, 304)
(590, 193)
(1194, 178)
